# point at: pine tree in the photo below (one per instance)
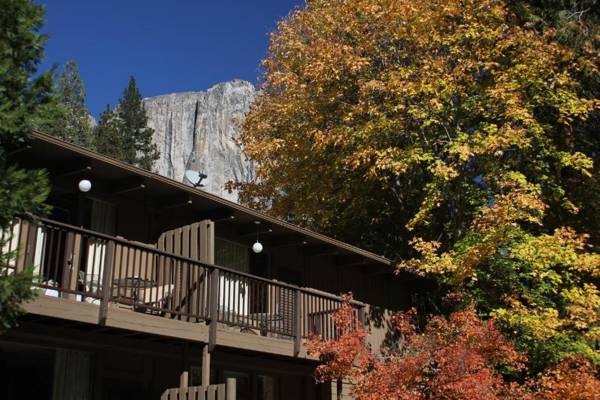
(138, 148)
(25, 102)
(108, 136)
(75, 124)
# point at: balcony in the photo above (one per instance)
(103, 280)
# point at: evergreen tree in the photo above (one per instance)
(25, 102)
(108, 136)
(75, 124)
(137, 148)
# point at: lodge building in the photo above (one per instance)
(141, 278)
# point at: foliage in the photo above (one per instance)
(137, 137)
(459, 357)
(576, 21)
(14, 290)
(108, 135)
(124, 134)
(461, 136)
(74, 125)
(573, 379)
(25, 101)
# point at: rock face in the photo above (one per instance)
(198, 131)
(92, 121)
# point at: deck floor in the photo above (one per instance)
(126, 319)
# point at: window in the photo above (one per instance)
(231, 255)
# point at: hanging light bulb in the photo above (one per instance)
(85, 185)
(257, 247)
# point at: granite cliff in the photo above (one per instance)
(198, 131)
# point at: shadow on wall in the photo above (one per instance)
(383, 336)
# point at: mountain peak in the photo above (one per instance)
(199, 131)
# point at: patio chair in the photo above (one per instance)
(156, 297)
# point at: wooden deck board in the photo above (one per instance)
(153, 324)
(249, 341)
(63, 308)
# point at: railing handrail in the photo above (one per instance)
(188, 260)
(321, 293)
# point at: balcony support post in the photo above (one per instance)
(213, 315)
(297, 322)
(205, 366)
(231, 388)
(23, 243)
(362, 315)
(106, 282)
(207, 256)
(69, 276)
(30, 249)
(184, 380)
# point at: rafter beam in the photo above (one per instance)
(19, 150)
(127, 185)
(321, 250)
(218, 215)
(73, 169)
(350, 260)
(170, 202)
(250, 229)
(289, 240)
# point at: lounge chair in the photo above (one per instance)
(156, 297)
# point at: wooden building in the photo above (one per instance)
(143, 277)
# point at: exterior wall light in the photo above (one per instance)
(84, 185)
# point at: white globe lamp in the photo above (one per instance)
(85, 185)
(257, 247)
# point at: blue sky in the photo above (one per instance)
(169, 46)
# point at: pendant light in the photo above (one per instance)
(84, 185)
(257, 247)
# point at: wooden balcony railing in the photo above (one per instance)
(91, 267)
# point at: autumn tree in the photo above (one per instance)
(461, 137)
(573, 378)
(459, 357)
